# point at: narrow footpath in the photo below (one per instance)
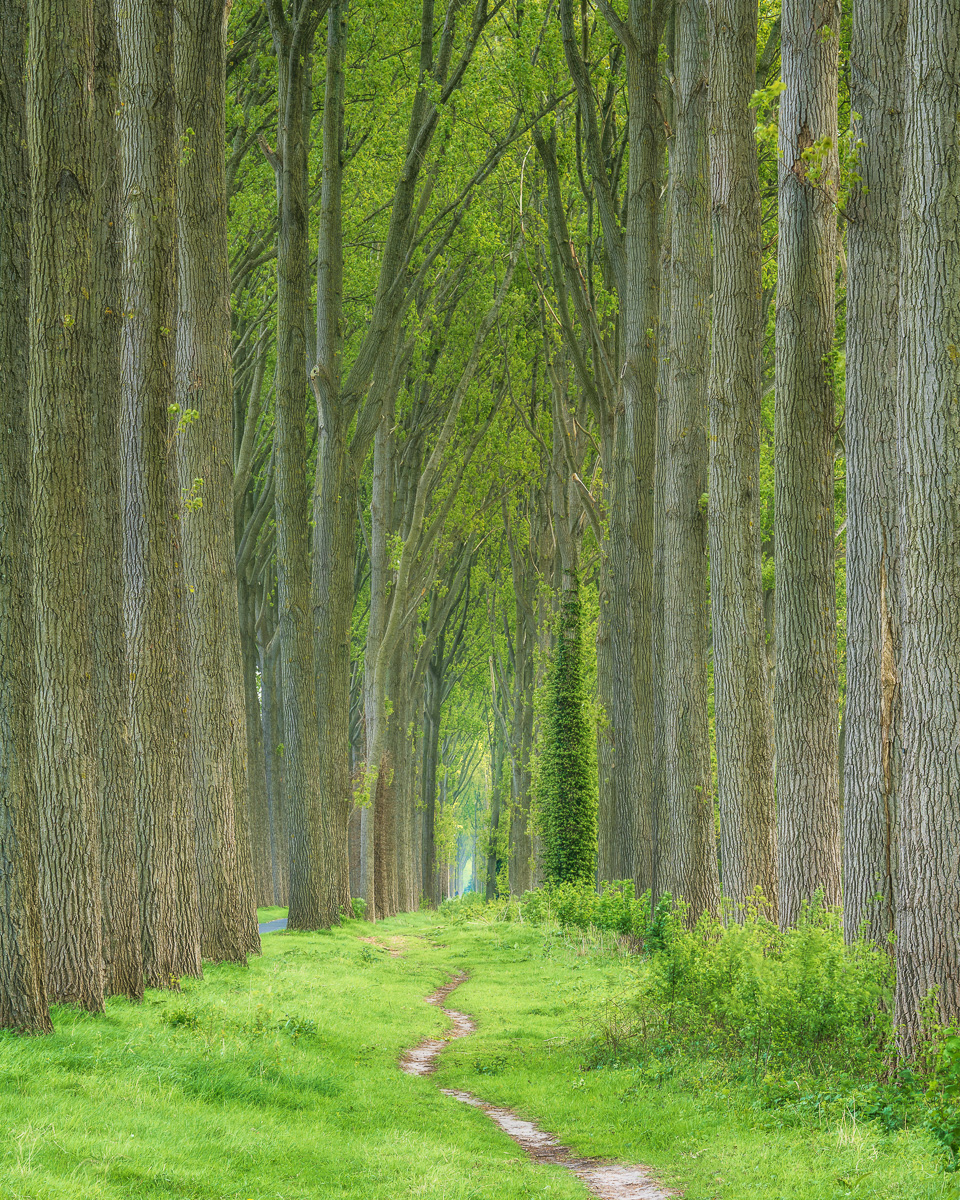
(607, 1181)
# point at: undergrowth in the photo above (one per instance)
(799, 1018)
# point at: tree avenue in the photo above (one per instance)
(470, 446)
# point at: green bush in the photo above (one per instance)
(774, 997)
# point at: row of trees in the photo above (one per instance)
(517, 292)
(123, 827)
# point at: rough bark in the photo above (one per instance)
(496, 806)
(166, 856)
(334, 499)
(302, 797)
(203, 384)
(805, 698)
(122, 954)
(271, 691)
(23, 1003)
(686, 766)
(631, 550)
(375, 816)
(928, 935)
(743, 724)
(433, 713)
(258, 805)
(59, 138)
(404, 758)
(871, 716)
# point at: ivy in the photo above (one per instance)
(567, 785)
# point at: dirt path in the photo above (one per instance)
(608, 1181)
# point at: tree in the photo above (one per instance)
(624, 400)
(743, 718)
(566, 789)
(203, 385)
(59, 136)
(310, 907)
(23, 1003)
(805, 697)
(928, 934)
(122, 951)
(166, 851)
(686, 766)
(872, 713)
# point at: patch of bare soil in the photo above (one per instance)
(607, 1181)
(395, 946)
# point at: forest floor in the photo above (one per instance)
(280, 1081)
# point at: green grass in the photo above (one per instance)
(536, 997)
(270, 913)
(279, 1082)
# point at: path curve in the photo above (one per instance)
(607, 1181)
(273, 926)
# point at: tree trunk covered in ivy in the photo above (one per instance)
(567, 786)
(23, 1003)
(60, 143)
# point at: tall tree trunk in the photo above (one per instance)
(23, 1003)
(205, 465)
(496, 806)
(166, 859)
(404, 760)
(635, 478)
(748, 843)
(334, 498)
(521, 841)
(302, 799)
(686, 767)
(433, 712)
(928, 933)
(805, 698)
(258, 806)
(122, 953)
(271, 691)
(662, 879)
(59, 137)
(871, 716)
(375, 813)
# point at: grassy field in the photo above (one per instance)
(279, 1082)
